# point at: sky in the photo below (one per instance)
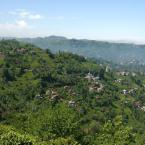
(82, 19)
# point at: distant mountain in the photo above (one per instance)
(122, 53)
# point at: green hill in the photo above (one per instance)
(66, 99)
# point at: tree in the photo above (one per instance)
(9, 136)
(116, 133)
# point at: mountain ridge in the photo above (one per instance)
(121, 53)
(121, 41)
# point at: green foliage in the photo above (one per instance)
(115, 133)
(61, 121)
(65, 99)
(64, 141)
(9, 136)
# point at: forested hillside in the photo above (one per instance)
(120, 53)
(66, 99)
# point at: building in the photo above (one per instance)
(72, 104)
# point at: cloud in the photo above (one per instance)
(21, 24)
(19, 28)
(35, 17)
(25, 14)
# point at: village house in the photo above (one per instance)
(91, 78)
(73, 94)
(118, 80)
(108, 69)
(100, 88)
(38, 96)
(55, 96)
(96, 87)
(137, 104)
(47, 92)
(66, 87)
(125, 92)
(1, 55)
(143, 108)
(21, 50)
(72, 104)
(133, 74)
(132, 91)
(91, 89)
(123, 73)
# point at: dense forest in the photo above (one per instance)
(67, 99)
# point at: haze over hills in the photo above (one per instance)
(120, 53)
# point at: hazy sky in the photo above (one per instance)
(93, 19)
